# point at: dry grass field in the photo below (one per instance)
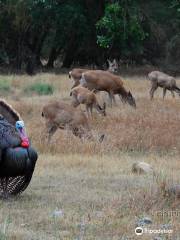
(86, 190)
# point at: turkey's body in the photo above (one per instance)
(8, 135)
(16, 163)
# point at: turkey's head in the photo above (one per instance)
(22, 133)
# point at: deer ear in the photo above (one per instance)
(108, 61)
(114, 61)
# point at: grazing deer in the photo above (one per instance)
(106, 81)
(76, 73)
(160, 79)
(61, 115)
(83, 95)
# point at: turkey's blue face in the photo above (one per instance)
(21, 129)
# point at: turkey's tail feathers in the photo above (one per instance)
(8, 112)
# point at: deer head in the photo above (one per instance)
(113, 66)
(131, 100)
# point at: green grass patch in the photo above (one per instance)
(4, 86)
(40, 89)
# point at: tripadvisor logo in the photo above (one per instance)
(139, 231)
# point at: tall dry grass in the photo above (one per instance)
(92, 183)
(153, 126)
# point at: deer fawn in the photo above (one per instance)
(61, 115)
(82, 95)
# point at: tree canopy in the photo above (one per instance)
(89, 31)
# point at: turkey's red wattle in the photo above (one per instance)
(25, 143)
(24, 139)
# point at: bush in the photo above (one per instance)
(40, 89)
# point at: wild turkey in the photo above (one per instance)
(17, 157)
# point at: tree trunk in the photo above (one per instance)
(68, 60)
(70, 53)
(19, 54)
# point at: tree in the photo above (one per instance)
(120, 31)
(89, 31)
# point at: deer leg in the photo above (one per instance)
(51, 132)
(164, 92)
(91, 109)
(75, 101)
(172, 93)
(112, 98)
(153, 89)
(87, 110)
(98, 108)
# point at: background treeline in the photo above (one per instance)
(85, 32)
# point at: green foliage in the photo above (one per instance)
(40, 89)
(121, 28)
(85, 31)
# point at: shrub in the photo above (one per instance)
(40, 89)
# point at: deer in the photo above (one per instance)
(113, 66)
(60, 115)
(83, 95)
(163, 80)
(100, 80)
(76, 73)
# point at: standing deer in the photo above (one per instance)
(160, 79)
(106, 81)
(76, 73)
(61, 115)
(83, 95)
